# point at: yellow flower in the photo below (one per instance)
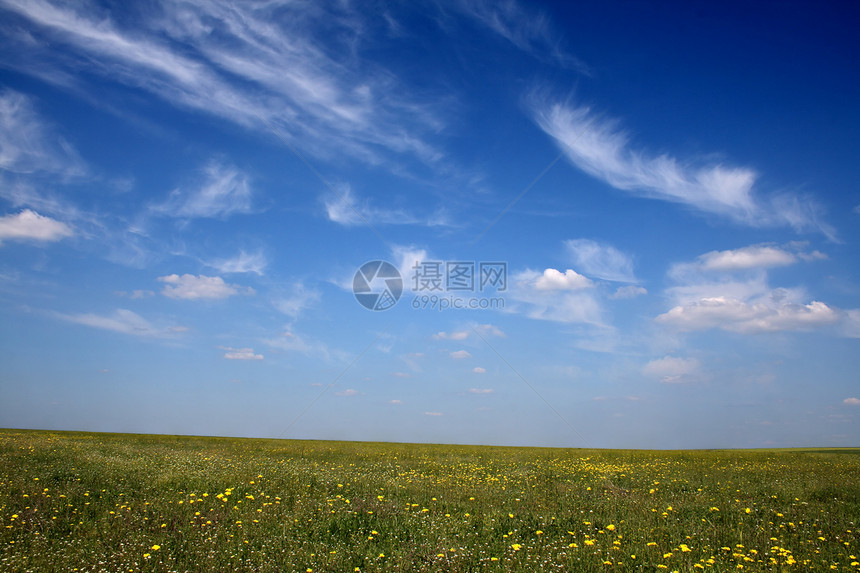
(156, 547)
(685, 549)
(610, 527)
(516, 546)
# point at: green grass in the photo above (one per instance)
(104, 502)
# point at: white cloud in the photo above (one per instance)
(191, 287)
(553, 279)
(140, 293)
(458, 335)
(395, 402)
(601, 260)
(136, 294)
(240, 353)
(490, 330)
(753, 257)
(628, 291)
(222, 191)
(851, 326)
(748, 318)
(851, 401)
(124, 321)
(479, 370)
(671, 369)
(481, 390)
(406, 257)
(27, 144)
(739, 299)
(433, 414)
(561, 306)
(30, 226)
(297, 300)
(242, 263)
(460, 354)
(744, 259)
(598, 147)
(290, 341)
(347, 392)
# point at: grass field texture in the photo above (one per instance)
(109, 502)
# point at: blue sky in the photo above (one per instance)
(187, 190)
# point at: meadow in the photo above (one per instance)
(110, 502)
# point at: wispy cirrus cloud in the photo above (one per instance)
(28, 144)
(318, 94)
(523, 26)
(221, 190)
(296, 299)
(601, 260)
(243, 262)
(598, 146)
(123, 321)
(628, 291)
(346, 209)
(672, 369)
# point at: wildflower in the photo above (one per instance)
(610, 527)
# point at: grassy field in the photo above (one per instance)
(107, 502)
